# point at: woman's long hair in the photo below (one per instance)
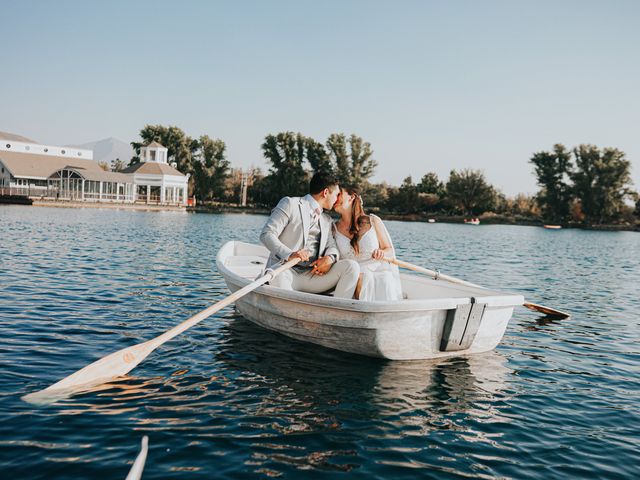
(358, 218)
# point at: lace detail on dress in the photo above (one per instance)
(368, 243)
(380, 280)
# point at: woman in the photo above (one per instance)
(365, 239)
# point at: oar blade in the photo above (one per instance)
(551, 312)
(107, 368)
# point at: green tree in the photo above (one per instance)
(601, 181)
(318, 157)
(286, 153)
(375, 195)
(180, 147)
(352, 159)
(211, 168)
(431, 184)
(469, 192)
(552, 171)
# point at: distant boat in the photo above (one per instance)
(432, 220)
(472, 221)
(553, 227)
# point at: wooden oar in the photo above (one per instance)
(436, 275)
(123, 361)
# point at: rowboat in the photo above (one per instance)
(553, 227)
(435, 319)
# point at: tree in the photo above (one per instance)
(601, 181)
(287, 177)
(104, 166)
(352, 159)
(431, 184)
(318, 157)
(469, 192)
(211, 168)
(180, 147)
(118, 165)
(432, 192)
(552, 170)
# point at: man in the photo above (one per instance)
(298, 228)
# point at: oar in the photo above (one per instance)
(123, 361)
(138, 465)
(437, 275)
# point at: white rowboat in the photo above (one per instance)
(436, 319)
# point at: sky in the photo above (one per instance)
(432, 85)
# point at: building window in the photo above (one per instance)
(8, 145)
(63, 152)
(79, 154)
(152, 155)
(46, 150)
(27, 147)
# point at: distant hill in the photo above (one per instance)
(108, 150)
(15, 138)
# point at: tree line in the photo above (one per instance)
(585, 184)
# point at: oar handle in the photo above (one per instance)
(432, 273)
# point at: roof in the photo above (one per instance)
(15, 138)
(104, 176)
(153, 168)
(155, 144)
(32, 165)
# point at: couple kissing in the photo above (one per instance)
(345, 256)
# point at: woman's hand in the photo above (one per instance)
(377, 254)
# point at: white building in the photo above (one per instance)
(155, 179)
(61, 173)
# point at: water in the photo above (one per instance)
(556, 399)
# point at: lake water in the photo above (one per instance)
(226, 399)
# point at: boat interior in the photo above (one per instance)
(248, 261)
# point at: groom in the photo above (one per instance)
(298, 228)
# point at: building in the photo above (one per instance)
(48, 172)
(155, 179)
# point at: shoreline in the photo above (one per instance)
(492, 219)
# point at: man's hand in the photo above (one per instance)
(302, 254)
(321, 265)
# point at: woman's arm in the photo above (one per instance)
(386, 247)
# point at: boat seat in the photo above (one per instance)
(247, 266)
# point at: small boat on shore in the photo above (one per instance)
(436, 319)
(472, 221)
(553, 227)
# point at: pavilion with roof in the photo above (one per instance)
(156, 180)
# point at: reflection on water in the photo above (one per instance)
(228, 399)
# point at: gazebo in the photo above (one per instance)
(156, 181)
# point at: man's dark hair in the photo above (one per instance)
(320, 181)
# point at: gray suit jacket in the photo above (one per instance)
(286, 230)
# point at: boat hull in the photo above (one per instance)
(395, 335)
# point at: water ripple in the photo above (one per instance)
(557, 399)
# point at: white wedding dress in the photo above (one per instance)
(380, 280)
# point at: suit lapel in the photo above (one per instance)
(324, 230)
(305, 213)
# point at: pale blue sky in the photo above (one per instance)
(432, 85)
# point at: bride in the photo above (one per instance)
(364, 238)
